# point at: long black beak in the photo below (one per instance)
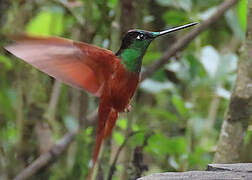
(175, 29)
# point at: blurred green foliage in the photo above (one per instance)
(175, 104)
(49, 22)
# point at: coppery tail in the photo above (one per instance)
(106, 122)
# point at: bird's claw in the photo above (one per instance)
(128, 108)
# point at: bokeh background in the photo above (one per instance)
(176, 114)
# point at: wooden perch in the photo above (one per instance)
(214, 171)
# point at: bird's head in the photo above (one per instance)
(136, 42)
(141, 39)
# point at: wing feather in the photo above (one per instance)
(78, 64)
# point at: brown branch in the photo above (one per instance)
(54, 100)
(47, 125)
(48, 157)
(51, 156)
(185, 40)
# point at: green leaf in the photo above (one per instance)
(248, 136)
(46, 23)
(177, 145)
(7, 100)
(112, 3)
(160, 75)
(137, 140)
(163, 114)
(89, 130)
(242, 13)
(151, 56)
(160, 145)
(195, 66)
(198, 158)
(6, 62)
(179, 105)
(157, 144)
(122, 123)
(118, 137)
(135, 127)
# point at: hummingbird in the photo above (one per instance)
(113, 77)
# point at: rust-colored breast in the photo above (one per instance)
(122, 87)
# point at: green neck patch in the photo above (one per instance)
(133, 55)
(131, 58)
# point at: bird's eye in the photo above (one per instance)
(140, 37)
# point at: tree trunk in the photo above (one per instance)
(239, 111)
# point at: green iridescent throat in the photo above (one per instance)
(133, 55)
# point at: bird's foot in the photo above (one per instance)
(128, 108)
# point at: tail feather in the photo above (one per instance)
(99, 140)
(106, 121)
(110, 122)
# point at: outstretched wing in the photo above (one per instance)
(78, 64)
